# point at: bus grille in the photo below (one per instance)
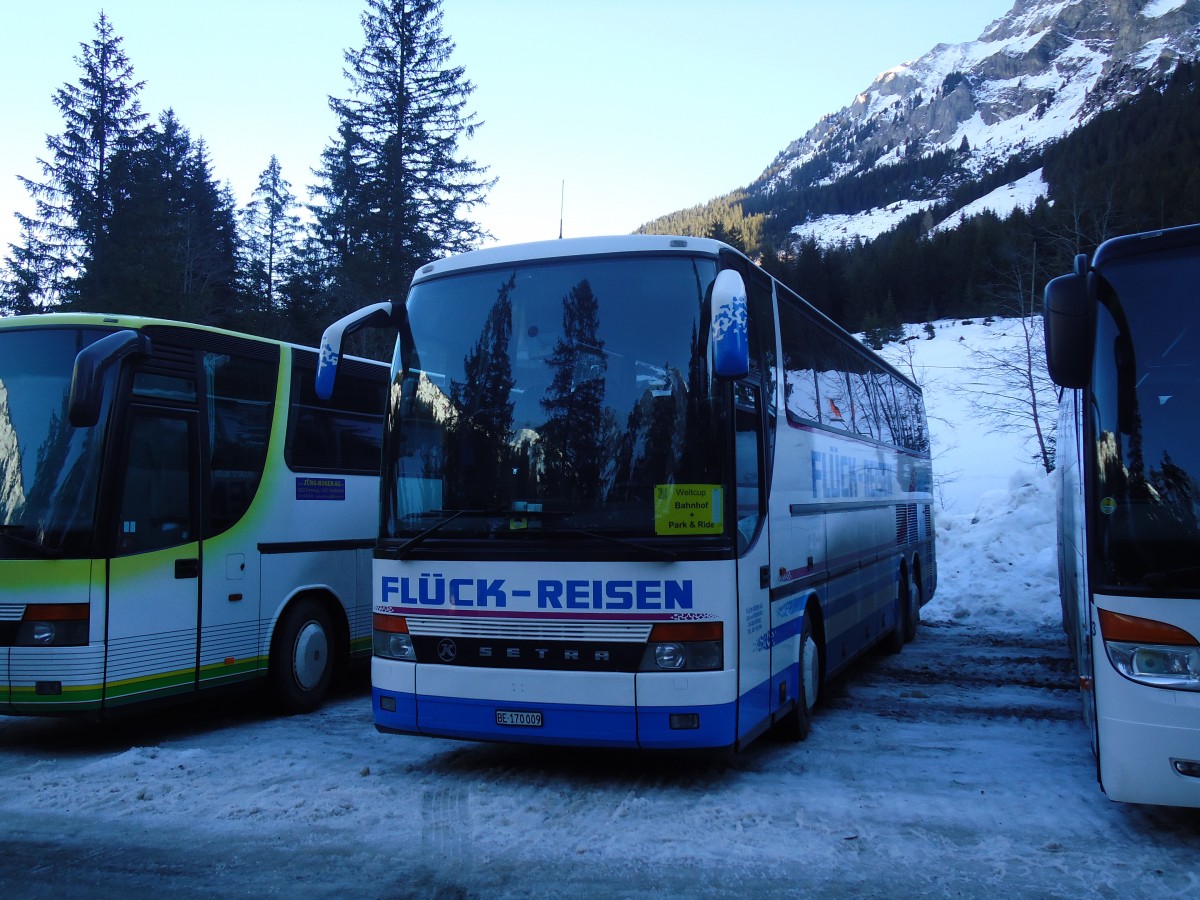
(11, 612)
(906, 523)
(528, 629)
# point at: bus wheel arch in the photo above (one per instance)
(308, 647)
(796, 724)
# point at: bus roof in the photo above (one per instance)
(568, 247)
(136, 323)
(1145, 242)
(117, 320)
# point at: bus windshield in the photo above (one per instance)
(1146, 404)
(553, 397)
(49, 470)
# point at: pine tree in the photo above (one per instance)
(396, 192)
(171, 241)
(25, 273)
(341, 243)
(74, 202)
(268, 232)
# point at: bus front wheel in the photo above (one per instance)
(302, 657)
(797, 723)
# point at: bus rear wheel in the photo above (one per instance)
(912, 617)
(302, 657)
(894, 640)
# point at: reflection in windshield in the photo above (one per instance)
(1146, 404)
(48, 470)
(553, 396)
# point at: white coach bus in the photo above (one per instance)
(1123, 339)
(635, 493)
(178, 512)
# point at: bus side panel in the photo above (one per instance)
(358, 607)
(284, 575)
(308, 509)
(798, 556)
(858, 608)
(927, 549)
(152, 626)
(229, 638)
(754, 641)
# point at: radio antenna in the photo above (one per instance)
(562, 194)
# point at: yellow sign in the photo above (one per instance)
(688, 509)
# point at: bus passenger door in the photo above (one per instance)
(154, 574)
(754, 564)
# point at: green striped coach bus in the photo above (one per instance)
(178, 512)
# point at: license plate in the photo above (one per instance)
(520, 719)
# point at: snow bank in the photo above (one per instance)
(997, 566)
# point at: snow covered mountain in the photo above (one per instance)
(1033, 76)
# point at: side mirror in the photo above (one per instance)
(83, 405)
(730, 327)
(1070, 319)
(378, 315)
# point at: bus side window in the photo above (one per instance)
(343, 434)
(799, 366)
(747, 460)
(882, 402)
(862, 407)
(837, 409)
(241, 399)
(156, 502)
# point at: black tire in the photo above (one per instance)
(796, 725)
(303, 655)
(913, 617)
(895, 639)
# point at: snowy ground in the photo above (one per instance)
(956, 768)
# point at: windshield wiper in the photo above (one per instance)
(1172, 577)
(413, 541)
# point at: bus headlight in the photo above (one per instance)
(684, 647)
(390, 638)
(53, 625)
(1151, 652)
(1157, 665)
(669, 656)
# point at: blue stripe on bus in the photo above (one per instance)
(563, 724)
(853, 590)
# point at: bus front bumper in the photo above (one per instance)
(644, 711)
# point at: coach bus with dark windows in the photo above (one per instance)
(178, 513)
(1123, 341)
(635, 493)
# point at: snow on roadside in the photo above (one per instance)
(997, 566)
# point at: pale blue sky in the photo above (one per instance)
(641, 107)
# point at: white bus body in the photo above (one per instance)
(600, 528)
(1121, 338)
